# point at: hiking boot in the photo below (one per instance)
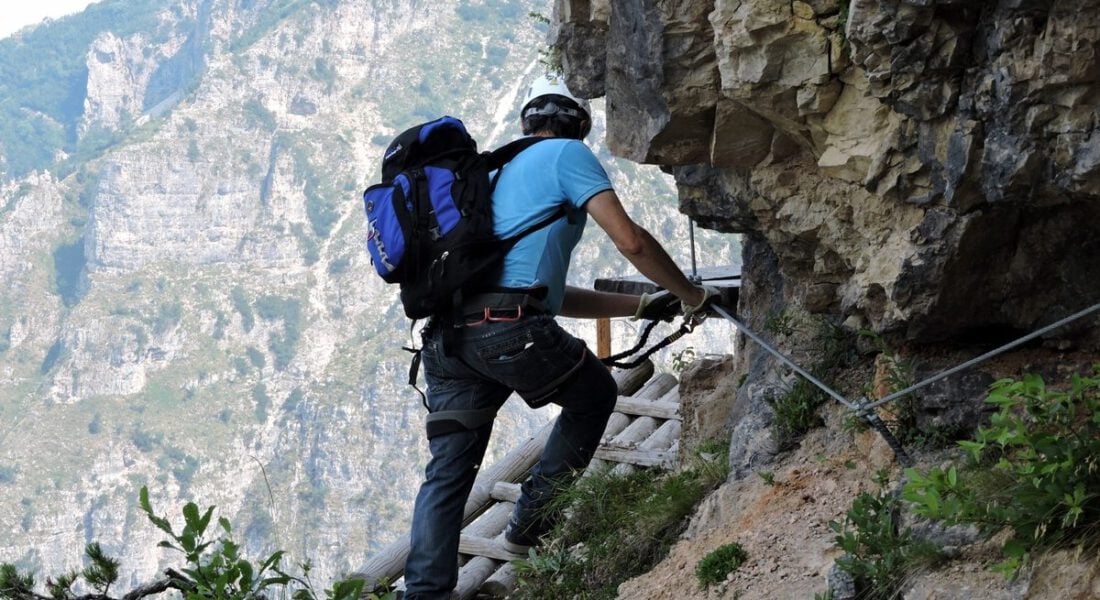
(518, 541)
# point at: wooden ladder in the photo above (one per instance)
(644, 431)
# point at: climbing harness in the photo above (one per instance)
(864, 409)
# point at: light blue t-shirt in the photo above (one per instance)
(540, 181)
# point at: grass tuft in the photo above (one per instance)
(718, 564)
(621, 526)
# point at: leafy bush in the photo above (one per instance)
(719, 563)
(796, 408)
(339, 265)
(255, 357)
(215, 569)
(259, 115)
(879, 555)
(628, 525)
(1034, 471)
(68, 264)
(795, 411)
(183, 466)
(168, 316)
(262, 400)
(780, 323)
(143, 440)
(324, 72)
(243, 308)
(288, 310)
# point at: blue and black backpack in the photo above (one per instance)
(430, 220)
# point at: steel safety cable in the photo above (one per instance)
(988, 355)
(790, 363)
(869, 416)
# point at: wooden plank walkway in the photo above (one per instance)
(644, 431)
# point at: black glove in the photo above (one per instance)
(658, 306)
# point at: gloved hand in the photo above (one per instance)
(658, 306)
(710, 296)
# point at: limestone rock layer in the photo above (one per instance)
(926, 167)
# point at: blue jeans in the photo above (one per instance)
(487, 364)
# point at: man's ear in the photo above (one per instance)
(586, 128)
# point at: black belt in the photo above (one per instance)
(508, 306)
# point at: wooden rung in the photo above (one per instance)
(643, 458)
(501, 583)
(506, 492)
(663, 439)
(647, 408)
(635, 433)
(487, 547)
(661, 384)
(491, 522)
(472, 575)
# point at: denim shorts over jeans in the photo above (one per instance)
(487, 364)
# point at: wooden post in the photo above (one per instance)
(603, 338)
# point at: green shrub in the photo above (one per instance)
(143, 440)
(243, 308)
(214, 569)
(259, 115)
(628, 525)
(795, 411)
(68, 264)
(1034, 471)
(719, 563)
(796, 408)
(780, 323)
(193, 152)
(241, 365)
(262, 400)
(168, 316)
(879, 555)
(288, 310)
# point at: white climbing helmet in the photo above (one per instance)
(553, 84)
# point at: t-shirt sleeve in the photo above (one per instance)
(580, 174)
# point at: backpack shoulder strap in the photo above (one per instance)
(503, 155)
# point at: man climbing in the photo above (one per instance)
(509, 340)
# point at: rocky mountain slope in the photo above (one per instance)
(187, 303)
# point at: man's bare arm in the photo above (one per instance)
(582, 303)
(641, 249)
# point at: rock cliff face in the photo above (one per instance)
(922, 172)
(918, 167)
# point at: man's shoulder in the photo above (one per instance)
(563, 147)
